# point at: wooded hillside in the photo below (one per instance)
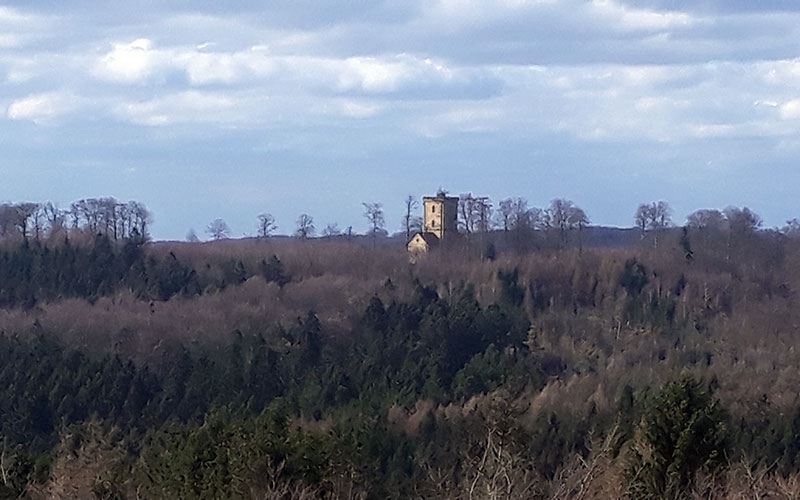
(327, 368)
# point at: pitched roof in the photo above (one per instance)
(429, 238)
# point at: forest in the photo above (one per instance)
(531, 360)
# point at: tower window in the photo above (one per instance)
(433, 209)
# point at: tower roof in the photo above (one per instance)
(440, 197)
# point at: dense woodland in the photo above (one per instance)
(532, 361)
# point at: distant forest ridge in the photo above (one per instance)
(477, 215)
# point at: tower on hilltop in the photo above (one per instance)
(440, 215)
(439, 221)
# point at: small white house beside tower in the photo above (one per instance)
(439, 222)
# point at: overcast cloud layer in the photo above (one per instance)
(314, 106)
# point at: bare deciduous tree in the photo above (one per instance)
(75, 213)
(655, 216)
(577, 218)
(54, 217)
(662, 215)
(482, 208)
(305, 226)
(107, 213)
(564, 215)
(218, 229)
(514, 214)
(505, 214)
(373, 212)
(266, 225)
(792, 228)
(332, 229)
(26, 211)
(642, 217)
(411, 223)
(474, 212)
(499, 469)
(9, 219)
(93, 215)
(706, 219)
(466, 212)
(37, 219)
(742, 221)
(558, 212)
(141, 219)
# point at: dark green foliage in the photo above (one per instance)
(308, 405)
(683, 432)
(491, 252)
(633, 278)
(31, 272)
(686, 244)
(233, 273)
(44, 386)
(224, 456)
(488, 370)
(170, 277)
(274, 272)
(511, 292)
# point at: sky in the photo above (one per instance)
(204, 109)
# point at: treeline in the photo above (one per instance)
(107, 216)
(555, 223)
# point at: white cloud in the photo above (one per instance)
(241, 109)
(303, 74)
(358, 109)
(790, 110)
(465, 117)
(649, 104)
(128, 62)
(9, 40)
(14, 16)
(369, 74)
(709, 130)
(627, 18)
(185, 107)
(203, 68)
(782, 73)
(42, 108)
(18, 27)
(21, 70)
(140, 62)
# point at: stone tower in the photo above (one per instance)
(440, 215)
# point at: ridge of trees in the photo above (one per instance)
(476, 214)
(107, 216)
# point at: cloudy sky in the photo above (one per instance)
(201, 110)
